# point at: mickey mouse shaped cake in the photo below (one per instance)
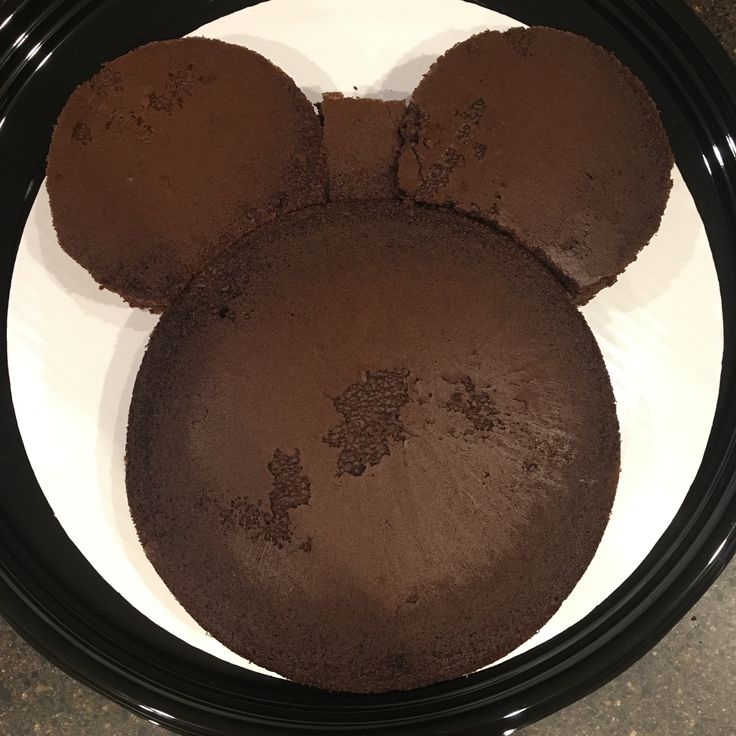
(372, 444)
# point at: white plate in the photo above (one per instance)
(73, 350)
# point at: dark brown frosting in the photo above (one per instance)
(372, 447)
(549, 137)
(173, 152)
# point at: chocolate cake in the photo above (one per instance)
(173, 152)
(361, 143)
(372, 447)
(549, 137)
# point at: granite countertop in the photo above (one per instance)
(684, 687)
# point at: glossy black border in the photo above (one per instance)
(59, 603)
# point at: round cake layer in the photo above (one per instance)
(173, 152)
(549, 137)
(372, 446)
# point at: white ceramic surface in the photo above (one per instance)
(74, 350)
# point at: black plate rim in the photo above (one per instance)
(679, 569)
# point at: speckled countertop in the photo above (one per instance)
(683, 687)
(720, 16)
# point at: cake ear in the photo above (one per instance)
(173, 152)
(550, 138)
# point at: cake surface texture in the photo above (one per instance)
(361, 141)
(372, 447)
(170, 154)
(549, 137)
